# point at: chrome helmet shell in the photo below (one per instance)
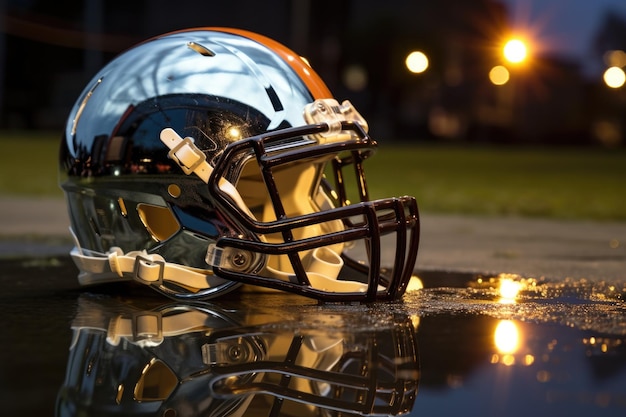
(208, 158)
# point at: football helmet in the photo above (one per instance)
(208, 158)
(196, 358)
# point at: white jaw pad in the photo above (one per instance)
(323, 269)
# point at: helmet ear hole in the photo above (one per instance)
(158, 221)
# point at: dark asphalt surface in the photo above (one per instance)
(450, 244)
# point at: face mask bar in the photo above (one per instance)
(377, 218)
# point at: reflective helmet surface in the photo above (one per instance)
(206, 158)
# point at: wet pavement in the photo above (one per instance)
(517, 317)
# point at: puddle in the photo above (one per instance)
(511, 346)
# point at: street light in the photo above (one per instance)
(416, 62)
(614, 77)
(499, 75)
(515, 51)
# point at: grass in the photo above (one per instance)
(29, 164)
(565, 183)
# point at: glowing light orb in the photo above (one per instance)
(614, 77)
(355, 78)
(509, 288)
(515, 51)
(416, 62)
(499, 75)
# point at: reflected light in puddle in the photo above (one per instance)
(506, 337)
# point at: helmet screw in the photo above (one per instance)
(240, 259)
(235, 352)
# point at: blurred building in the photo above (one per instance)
(359, 47)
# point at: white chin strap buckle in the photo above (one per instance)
(186, 154)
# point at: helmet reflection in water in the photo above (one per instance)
(200, 359)
(207, 158)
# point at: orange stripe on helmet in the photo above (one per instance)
(313, 82)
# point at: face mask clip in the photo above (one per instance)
(332, 113)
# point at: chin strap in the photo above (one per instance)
(148, 269)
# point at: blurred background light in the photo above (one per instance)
(614, 77)
(417, 62)
(615, 58)
(499, 75)
(515, 51)
(354, 77)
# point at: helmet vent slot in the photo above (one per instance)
(122, 205)
(201, 49)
